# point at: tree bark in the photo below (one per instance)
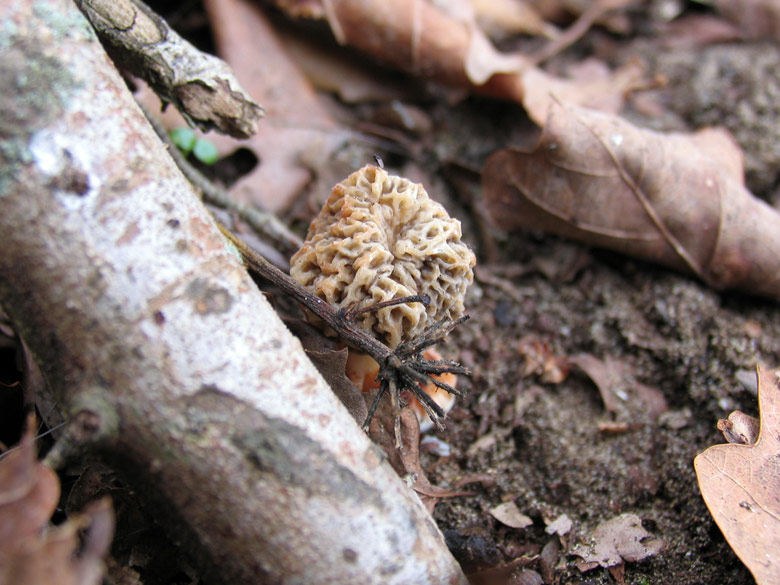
(147, 327)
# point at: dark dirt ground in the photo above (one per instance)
(543, 445)
(699, 347)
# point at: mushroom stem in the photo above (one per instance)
(400, 369)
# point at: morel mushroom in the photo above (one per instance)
(380, 238)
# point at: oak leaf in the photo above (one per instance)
(741, 486)
(671, 198)
(618, 540)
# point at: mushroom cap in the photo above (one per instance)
(380, 237)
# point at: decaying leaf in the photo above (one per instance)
(739, 428)
(539, 360)
(29, 492)
(508, 513)
(619, 540)
(623, 395)
(741, 486)
(32, 553)
(331, 361)
(590, 84)
(420, 37)
(443, 42)
(668, 198)
(561, 525)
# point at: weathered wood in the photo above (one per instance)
(201, 86)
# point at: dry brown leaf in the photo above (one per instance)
(296, 127)
(561, 525)
(661, 197)
(589, 83)
(333, 69)
(406, 458)
(29, 492)
(331, 362)
(508, 513)
(621, 539)
(622, 394)
(739, 428)
(421, 38)
(442, 42)
(741, 486)
(31, 553)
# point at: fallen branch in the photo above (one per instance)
(148, 327)
(201, 86)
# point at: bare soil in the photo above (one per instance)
(553, 448)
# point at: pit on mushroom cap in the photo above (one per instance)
(380, 237)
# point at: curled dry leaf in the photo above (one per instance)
(739, 428)
(668, 198)
(442, 41)
(31, 553)
(421, 38)
(741, 486)
(405, 459)
(331, 361)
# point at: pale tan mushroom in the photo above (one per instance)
(380, 238)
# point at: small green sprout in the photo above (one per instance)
(186, 141)
(205, 152)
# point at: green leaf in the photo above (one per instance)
(205, 152)
(184, 138)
